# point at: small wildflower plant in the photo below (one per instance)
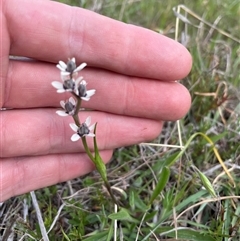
(77, 86)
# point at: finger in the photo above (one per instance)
(29, 85)
(21, 175)
(51, 31)
(42, 132)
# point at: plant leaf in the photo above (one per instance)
(163, 179)
(123, 214)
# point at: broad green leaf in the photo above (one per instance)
(139, 203)
(123, 214)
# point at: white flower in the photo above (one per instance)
(81, 89)
(84, 129)
(68, 106)
(66, 85)
(70, 68)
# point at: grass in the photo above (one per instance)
(168, 193)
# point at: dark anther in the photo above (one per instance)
(83, 130)
(69, 84)
(71, 66)
(82, 90)
(69, 107)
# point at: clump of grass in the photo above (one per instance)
(183, 189)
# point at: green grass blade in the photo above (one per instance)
(163, 180)
(189, 234)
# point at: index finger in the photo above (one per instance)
(50, 31)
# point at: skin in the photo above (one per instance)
(132, 69)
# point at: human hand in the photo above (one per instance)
(132, 69)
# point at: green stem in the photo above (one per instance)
(87, 149)
(93, 159)
(106, 183)
(75, 116)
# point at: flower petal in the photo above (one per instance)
(62, 103)
(80, 67)
(90, 92)
(91, 127)
(78, 80)
(61, 65)
(74, 127)
(64, 73)
(91, 135)
(73, 59)
(72, 100)
(83, 82)
(57, 85)
(85, 98)
(61, 90)
(75, 137)
(88, 121)
(61, 113)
